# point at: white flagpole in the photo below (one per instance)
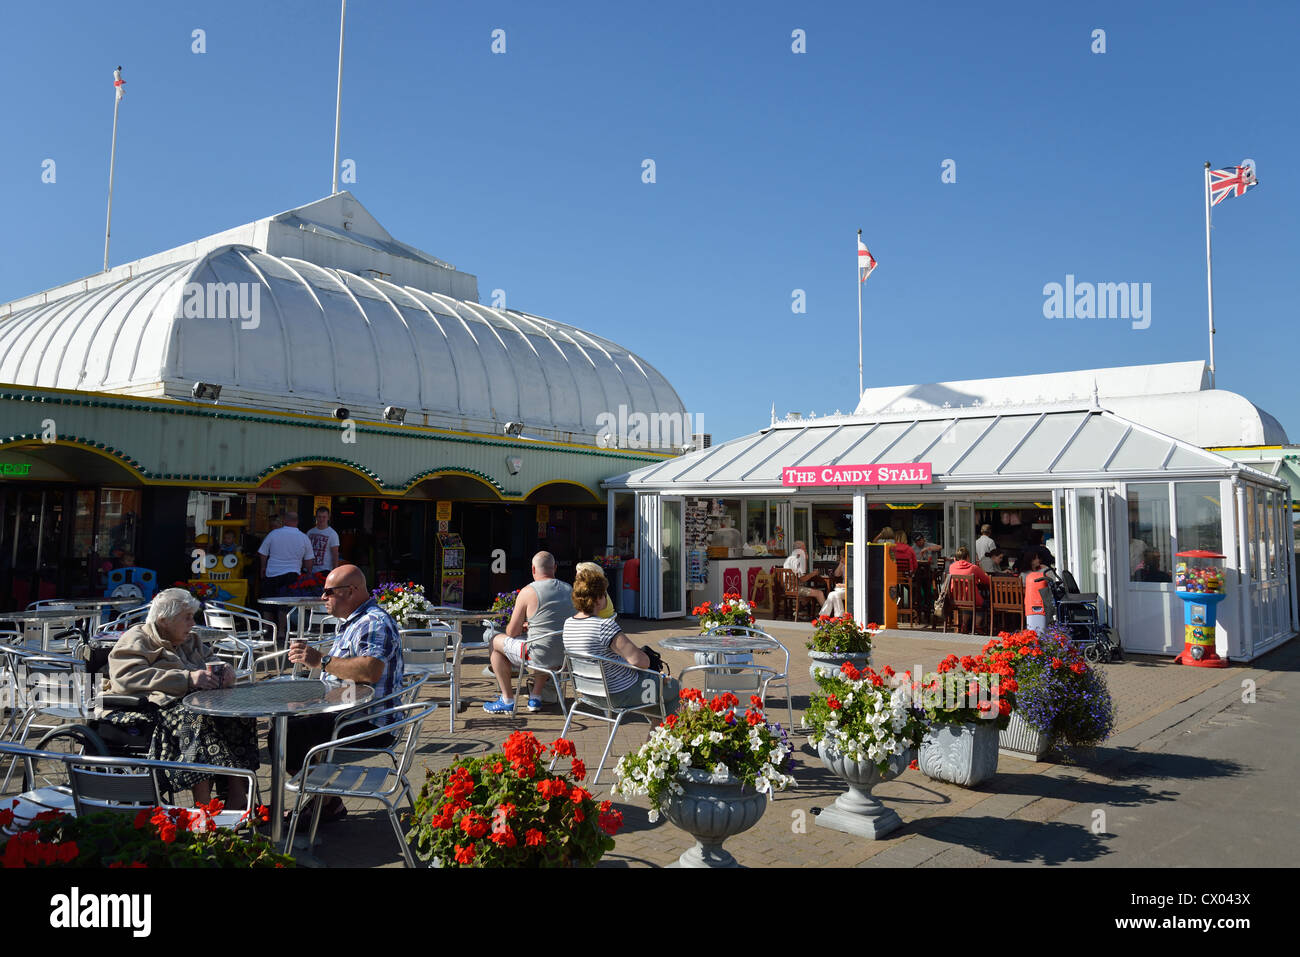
(859, 321)
(112, 160)
(1209, 271)
(338, 99)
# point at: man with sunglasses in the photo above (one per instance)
(367, 649)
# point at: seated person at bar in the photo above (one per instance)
(162, 658)
(798, 563)
(903, 553)
(964, 566)
(995, 562)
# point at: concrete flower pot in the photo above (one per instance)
(828, 662)
(856, 811)
(1022, 740)
(963, 754)
(711, 812)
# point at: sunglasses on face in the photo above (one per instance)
(328, 592)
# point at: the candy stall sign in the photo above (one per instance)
(807, 476)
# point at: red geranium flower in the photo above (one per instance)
(534, 838)
(464, 855)
(474, 825)
(579, 770)
(833, 703)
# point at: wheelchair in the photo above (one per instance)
(93, 735)
(1077, 614)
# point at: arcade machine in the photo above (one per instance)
(450, 570)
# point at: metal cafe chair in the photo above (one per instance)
(386, 783)
(591, 693)
(559, 676)
(48, 686)
(434, 653)
(740, 672)
(104, 783)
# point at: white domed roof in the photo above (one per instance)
(311, 337)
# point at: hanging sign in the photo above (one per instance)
(811, 476)
(444, 511)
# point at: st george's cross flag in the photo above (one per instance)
(866, 262)
(119, 83)
(1233, 181)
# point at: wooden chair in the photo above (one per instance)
(1008, 598)
(961, 600)
(903, 594)
(760, 594)
(788, 599)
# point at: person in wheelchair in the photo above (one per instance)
(162, 660)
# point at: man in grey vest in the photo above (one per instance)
(544, 605)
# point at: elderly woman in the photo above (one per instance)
(162, 659)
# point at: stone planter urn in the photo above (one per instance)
(1022, 740)
(963, 754)
(828, 662)
(711, 812)
(856, 811)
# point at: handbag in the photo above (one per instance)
(656, 661)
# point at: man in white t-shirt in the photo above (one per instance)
(324, 543)
(286, 553)
(984, 544)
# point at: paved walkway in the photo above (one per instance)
(1180, 733)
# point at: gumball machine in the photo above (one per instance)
(1199, 579)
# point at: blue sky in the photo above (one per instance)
(525, 168)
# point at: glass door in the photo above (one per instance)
(672, 560)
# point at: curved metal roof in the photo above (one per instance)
(311, 337)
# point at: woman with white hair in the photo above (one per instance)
(164, 660)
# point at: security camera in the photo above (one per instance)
(514, 428)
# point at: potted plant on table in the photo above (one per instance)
(709, 771)
(865, 727)
(967, 702)
(732, 612)
(507, 810)
(837, 640)
(1060, 698)
(401, 600)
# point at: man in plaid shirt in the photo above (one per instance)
(368, 650)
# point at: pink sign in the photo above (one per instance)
(805, 476)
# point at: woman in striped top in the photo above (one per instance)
(589, 634)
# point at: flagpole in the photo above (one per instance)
(338, 99)
(1209, 271)
(860, 323)
(112, 160)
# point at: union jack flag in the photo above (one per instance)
(1230, 182)
(866, 262)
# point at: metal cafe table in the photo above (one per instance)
(46, 617)
(304, 603)
(279, 700)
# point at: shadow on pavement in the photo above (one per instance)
(1014, 841)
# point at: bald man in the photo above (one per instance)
(367, 650)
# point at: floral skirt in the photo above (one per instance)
(184, 735)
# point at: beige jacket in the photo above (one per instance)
(142, 662)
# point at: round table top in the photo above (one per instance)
(295, 601)
(456, 615)
(295, 696)
(42, 614)
(732, 643)
(93, 603)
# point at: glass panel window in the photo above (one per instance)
(1261, 534)
(624, 524)
(756, 516)
(119, 513)
(1200, 517)
(1149, 533)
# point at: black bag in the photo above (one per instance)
(656, 661)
